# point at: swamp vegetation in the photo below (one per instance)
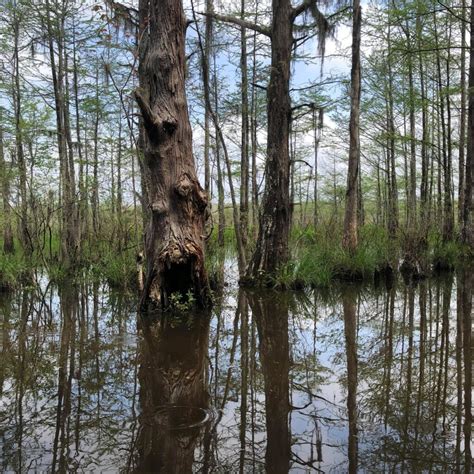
(236, 236)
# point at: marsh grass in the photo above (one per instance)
(317, 259)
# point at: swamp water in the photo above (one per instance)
(352, 380)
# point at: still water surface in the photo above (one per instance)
(351, 380)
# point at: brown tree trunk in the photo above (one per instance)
(82, 207)
(20, 155)
(424, 133)
(468, 212)
(95, 164)
(8, 244)
(174, 241)
(253, 136)
(274, 223)
(412, 180)
(391, 165)
(244, 161)
(206, 82)
(462, 122)
(55, 27)
(317, 125)
(349, 239)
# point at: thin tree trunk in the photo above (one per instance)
(462, 120)
(82, 208)
(69, 237)
(244, 160)
(391, 165)
(119, 202)
(20, 155)
(8, 243)
(412, 186)
(350, 238)
(95, 163)
(253, 133)
(207, 117)
(316, 129)
(424, 134)
(468, 213)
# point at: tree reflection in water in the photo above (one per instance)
(355, 379)
(173, 392)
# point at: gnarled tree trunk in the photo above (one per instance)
(174, 241)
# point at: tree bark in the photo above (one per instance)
(468, 212)
(462, 122)
(317, 125)
(274, 223)
(8, 244)
(207, 115)
(58, 69)
(244, 160)
(392, 220)
(174, 241)
(349, 239)
(20, 155)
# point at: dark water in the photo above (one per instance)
(352, 380)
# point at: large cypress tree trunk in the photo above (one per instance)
(174, 241)
(274, 225)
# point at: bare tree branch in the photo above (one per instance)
(239, 22)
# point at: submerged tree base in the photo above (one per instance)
(318, 260)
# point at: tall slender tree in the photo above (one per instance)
(350, 218)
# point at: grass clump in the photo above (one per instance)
(13, 270)
(446, 255)
(319, 259)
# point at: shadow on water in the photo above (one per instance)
(353, 380)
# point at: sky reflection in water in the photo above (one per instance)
(353, 380)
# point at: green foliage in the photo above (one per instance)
(320, 258)
(445, 255)
(12, 270)
(182, 302)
